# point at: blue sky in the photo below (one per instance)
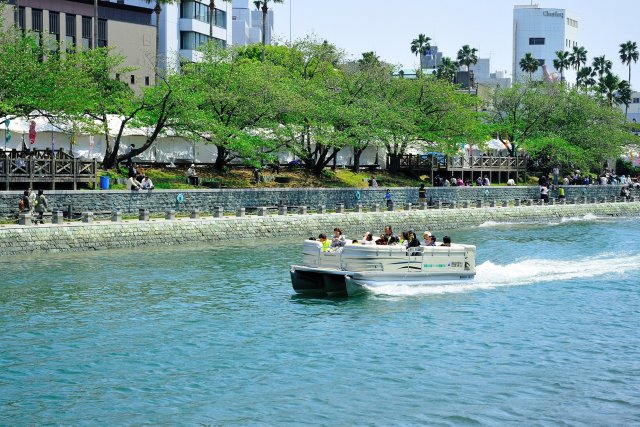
(387, 27)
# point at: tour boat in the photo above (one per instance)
(355, 268)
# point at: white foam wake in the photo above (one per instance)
(563, 220)
(526, 272)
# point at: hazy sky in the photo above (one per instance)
(387, 27)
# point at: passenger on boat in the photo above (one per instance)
(393, 240)
(413, 241)
(383, 240)
(368, 239)
(446, 241)
(388, 231)
(338, 240)
(426, 238)
(404, 238)
(326, 243)
(430, 241)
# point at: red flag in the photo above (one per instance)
(32, 132)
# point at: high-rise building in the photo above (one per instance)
(483, 75)
(431, 58)
(70, 24)
(247, 23)
(542, 32)
(186, 25)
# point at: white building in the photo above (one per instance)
(185, 26)
(634, 107)
(247, 23)
(542, 32)
(483, 75)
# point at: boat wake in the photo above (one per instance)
(559, 221)
(492, 276)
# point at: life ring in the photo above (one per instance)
(358, 195)
(180, 198)
(584, 191)
(486, 192)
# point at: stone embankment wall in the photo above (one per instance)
(20, 240)
(232, 199)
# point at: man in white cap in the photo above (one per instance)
(192, 175)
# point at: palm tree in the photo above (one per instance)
(529, 64)
(157, 9)
(467, 56)
(447, 69)
(212, 11)
(584, 77)
(614, 90)
(628, 53)
(420, 45)
(601, 65)
(264, 6)
(578, 58)
(561, 62)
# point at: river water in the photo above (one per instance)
(549, 334)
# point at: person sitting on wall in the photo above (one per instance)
(511, 182)
(192, 175)
(132, 183)
(146, 183)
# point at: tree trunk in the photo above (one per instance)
(212, 8)
(157, 10)
(95, 24)
(357, 153)
(265, 9)
(221, 158)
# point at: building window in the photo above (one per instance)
(102, 33)
(536, 40)
(636, 101)
(200, 11)
(70, 32)
(147, 81)
(133, 79)
(192, 41)
(572, 23)
(36, 20)
(54, 31)
(86, 32)
(20, 20)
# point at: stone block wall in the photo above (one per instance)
(232, 199)
(20, 240)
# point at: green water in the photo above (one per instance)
(547, 335)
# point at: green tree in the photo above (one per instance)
(467, 56)
(578, 58)
(628, 54)
(601, 65)
(447, 70)
(263, 5)
(614, 90)
(420, 45)
(561, 62)
(233, 104)
(529, 64)
(585, 78)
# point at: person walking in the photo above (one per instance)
(388, 198)
(422, 194)
(41, 207)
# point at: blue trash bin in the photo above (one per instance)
(104, 182)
